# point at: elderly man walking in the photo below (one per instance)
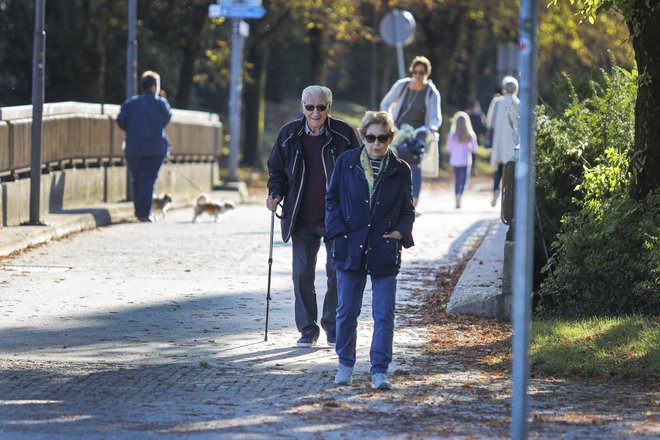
(300, 166)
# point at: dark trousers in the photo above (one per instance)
(416, 173)
(497, 177)
(460, 179)
(306, 242)
(144, 172)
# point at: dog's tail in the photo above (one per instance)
(203, 198)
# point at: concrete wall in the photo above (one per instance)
(78, 188)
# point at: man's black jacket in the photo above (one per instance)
(286, 166)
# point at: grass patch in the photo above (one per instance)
(628, 347)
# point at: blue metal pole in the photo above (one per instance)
(131, 50)
(38, 90)
(524, 222)
(235, 96)
(131, 72)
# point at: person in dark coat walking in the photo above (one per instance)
(369, 218)
(300, 165)
(477, 120)
(144, 118)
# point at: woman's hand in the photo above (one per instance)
(394, 234)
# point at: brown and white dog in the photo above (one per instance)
(204, 204)
(161, 204)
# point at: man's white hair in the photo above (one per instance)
(317, 90)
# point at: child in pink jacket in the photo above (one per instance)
(461, 143)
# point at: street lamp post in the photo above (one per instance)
(131, 50)
(38, 89)
(131, 72)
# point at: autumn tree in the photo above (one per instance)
(642, 18)
(327, 29)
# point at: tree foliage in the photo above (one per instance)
(642, 18)
(605, 246)
(297, 43)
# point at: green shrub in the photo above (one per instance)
(605, 251)
(570, 142)
(607, 260)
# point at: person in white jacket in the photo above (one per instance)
(503, 119)
(415, 101)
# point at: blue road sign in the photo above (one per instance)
(236, 11)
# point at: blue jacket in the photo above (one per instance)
(356, 225)
(286, 166)
(144, 118)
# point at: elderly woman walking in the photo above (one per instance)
(503, 120)
(415, 101)
(369, 218)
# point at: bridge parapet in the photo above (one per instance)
(83, 161)
(85, 133)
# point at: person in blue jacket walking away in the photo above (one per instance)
(369, 218)
(144, 118)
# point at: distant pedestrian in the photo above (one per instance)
(144, 118)
(477, 120)
(461, 145)
(369, 218)
(503, 120)
(415, 101)
(300, 165)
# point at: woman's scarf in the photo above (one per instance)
(369, 172)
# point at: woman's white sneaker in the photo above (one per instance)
(379, 382)
(344, 375)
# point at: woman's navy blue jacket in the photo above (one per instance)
(356, 226)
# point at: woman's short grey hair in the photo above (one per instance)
(317, 90)
(382, 118)
(510, 85)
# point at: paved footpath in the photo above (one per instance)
(156, 331)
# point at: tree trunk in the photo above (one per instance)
(644, 26)
(444, 56)
(263, 35)
(255, 104)
(316, 56)
(190, 50)
(474, 49)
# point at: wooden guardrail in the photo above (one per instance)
(82, 133)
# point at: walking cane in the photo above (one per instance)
(270, 267)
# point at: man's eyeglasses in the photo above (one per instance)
(319, 107)
(419, 72)
(382, 138)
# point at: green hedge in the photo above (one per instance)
(604, 257)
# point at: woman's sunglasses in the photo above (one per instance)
(320, 107)
(382, 138)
